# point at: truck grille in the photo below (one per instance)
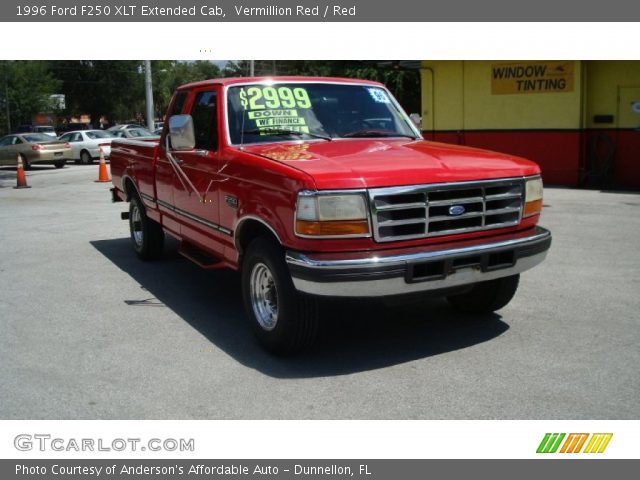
(404, 213)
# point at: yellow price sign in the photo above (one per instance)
(267, 97)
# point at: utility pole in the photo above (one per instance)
(252, 68)
(148, 87)
(6, 95)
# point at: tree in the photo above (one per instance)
(26, 90)
(113, 88)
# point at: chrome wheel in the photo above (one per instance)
(136, 225)
(264, 296)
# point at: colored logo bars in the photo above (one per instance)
(597, 442)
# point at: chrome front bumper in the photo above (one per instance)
(397, 272)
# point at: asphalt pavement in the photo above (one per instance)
(87, 331)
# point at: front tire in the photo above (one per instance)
(85, 158)
(486, 297)
(147, 236)
(284, 320)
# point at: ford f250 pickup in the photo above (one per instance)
(323, 187)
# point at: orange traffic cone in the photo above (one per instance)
(103, 175)
(20, 176)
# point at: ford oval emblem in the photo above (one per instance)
(455, 210)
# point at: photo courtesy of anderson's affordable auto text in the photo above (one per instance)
(312, 239)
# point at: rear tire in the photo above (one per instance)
(26, 164)
(147, 236)
(284, 320)
(486, 297)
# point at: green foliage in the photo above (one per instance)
(113, 88)
(26, 87)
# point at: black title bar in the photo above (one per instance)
(319, 11)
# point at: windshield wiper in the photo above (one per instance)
(284, 131)
(376, 133)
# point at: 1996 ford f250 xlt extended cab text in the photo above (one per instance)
(316, 187)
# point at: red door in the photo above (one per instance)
(166, 175)
(197, 178)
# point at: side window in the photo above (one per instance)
(205, 121)
(64, 138)
(15, 141)
(178, 105)
(5, 142)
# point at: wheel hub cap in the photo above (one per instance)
(136, 226)
(264, 296)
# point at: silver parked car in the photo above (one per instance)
(135, 132)
(86, 144)
(33, 148)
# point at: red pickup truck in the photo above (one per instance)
(323, 187)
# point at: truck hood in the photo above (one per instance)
(370, 163)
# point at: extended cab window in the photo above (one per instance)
(205, 121)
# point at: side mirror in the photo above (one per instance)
(181, 132)
(417, 120)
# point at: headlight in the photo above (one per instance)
(331, 215)
(533, 197)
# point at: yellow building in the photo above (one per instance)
(579, 120)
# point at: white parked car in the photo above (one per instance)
(46, 129)
(86, 144)
(122, 126)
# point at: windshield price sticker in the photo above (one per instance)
(274, 109)
(272, 114)
(272, 122)
(271, 129)
(260, 98)
(379, 95)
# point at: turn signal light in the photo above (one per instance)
(532, 208)
(339, 227)
(533, 196)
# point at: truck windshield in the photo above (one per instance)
(269, 112)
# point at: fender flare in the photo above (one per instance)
(238, 228)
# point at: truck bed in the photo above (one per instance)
(134, 159)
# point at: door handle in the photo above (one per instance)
(179, 161)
